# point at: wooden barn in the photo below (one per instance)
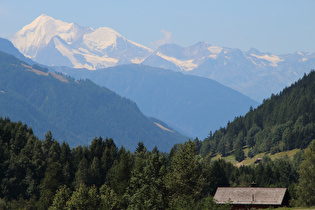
(252, 197)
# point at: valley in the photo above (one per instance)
(92, 120)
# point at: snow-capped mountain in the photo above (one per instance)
(182, 59)
(53, 42)
(253, 73)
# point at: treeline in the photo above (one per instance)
(283, 122)
(42, 174)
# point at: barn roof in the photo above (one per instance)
(250, 195)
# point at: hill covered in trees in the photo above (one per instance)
(42, 174)
(75, 111)
(282, 122)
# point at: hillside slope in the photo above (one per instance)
(76, 111)
(283, 122)
(190, 104)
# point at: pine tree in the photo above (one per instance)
(306, 186)
(61, 198)
(238, 152)
(184, 179)
(217, 176)
(95, 172)
(84, 198)
(50, 185)
(147, 189)
(108, 157)
(109, 199)
(120, 173)
(82, 176)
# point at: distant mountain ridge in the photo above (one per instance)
(75, 111)
(190, 104)
(7, 47)
(253, 73)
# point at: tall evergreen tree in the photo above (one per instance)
(84, 198)
(120, 173)
(147, 189)
(50, 185)
(184, 179)
(82, 176)
(306, 187)
(61, 198)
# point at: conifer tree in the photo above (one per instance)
(109, 199)
(184, 179)
(147, 189)
(61, 198)
(84, 198)
(82, 176)
(120, 172)
(306, 186)
(50, 185)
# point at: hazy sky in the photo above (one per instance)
(276, 26)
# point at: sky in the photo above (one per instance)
(275, 26)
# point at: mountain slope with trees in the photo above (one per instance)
(37, 174)
(283, 122)
(190, 104)
(75, 111)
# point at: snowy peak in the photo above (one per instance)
(47, 27)
(79, 46)
(101, 38)
(190, 58)
(184, 59)
(39, 33)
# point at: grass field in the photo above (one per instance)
(249, 161)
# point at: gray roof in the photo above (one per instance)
(250, 195)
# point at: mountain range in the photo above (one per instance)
(190, 104)
(193, 105)
(75, 111)
(253, 73)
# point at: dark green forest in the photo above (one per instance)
(42, 174)
(282, 122)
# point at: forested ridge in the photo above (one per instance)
(75, 111)
(187, 103)
(282, 122)
(42, 174)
